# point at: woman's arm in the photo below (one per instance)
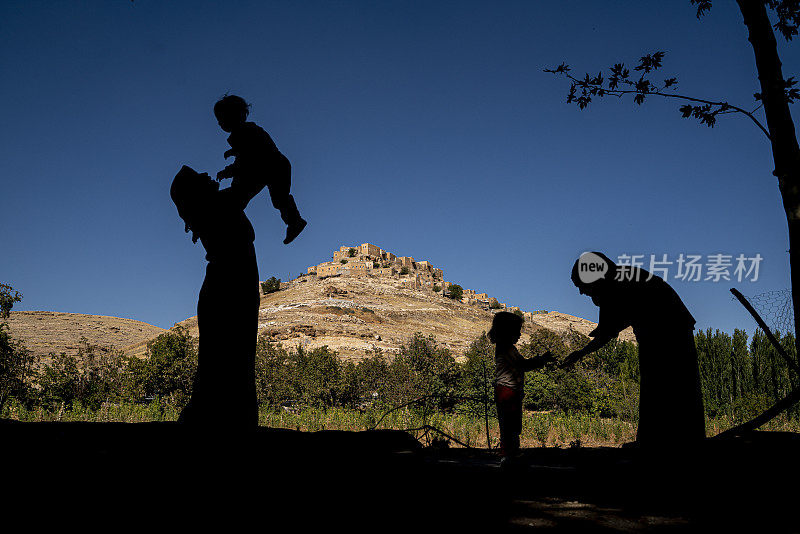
(595, 344)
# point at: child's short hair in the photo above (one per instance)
(232, 105)
(504, 324)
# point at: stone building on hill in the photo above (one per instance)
(367, 259)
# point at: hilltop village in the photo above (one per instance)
(370, 260)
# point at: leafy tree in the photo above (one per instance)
(544, 340)
(423, 368)
(319, 377)
(372, 373)
(16, 363)
(617, 358)
(455, 292)
(351, 252)
(343, 261)
(741, 373)
(771, 374)
(8, 296)
(271, 285)
(737, 380)
(274, 374)
(350, 388)
(494, 305)
(168, 369)
(604, 383)
(60, 381)
(404, 270)
(17, 370)
(436, 288)
(477, 376)
(102, 378)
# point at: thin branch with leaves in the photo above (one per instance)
(620, 83)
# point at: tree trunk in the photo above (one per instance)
(785, 153)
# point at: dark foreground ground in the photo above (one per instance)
(152, 477)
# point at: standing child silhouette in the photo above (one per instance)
(258, 162)
(510, 368)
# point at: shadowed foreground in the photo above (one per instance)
(156, 475)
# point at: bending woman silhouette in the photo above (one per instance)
(224, 391)
(670, 402)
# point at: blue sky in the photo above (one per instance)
(427, 128)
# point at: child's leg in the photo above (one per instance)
(279, 187)
(501, 419)
(286, 205)
(509, 415)
(284, 202)
(516, 426)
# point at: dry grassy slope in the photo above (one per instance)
(44, 332)
(355, 315)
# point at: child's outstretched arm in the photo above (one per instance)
(529, 364)
(537, 362)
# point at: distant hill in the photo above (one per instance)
(44, 332)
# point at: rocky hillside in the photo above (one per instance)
(353, 315)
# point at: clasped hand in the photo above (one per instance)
(570, 360)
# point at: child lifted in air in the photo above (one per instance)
(258, 162)
(510, 368)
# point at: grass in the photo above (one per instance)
(107, 413)
(539, 429)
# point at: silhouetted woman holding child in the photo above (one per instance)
(224, 392)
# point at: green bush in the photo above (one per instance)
(59, 381)
(271, 286)
(274, 376)
(8, 296)
(102, 377)
(168, 370)
(455, 292)
(17, 369)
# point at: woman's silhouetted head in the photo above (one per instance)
(592, 273)
(189, 191)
